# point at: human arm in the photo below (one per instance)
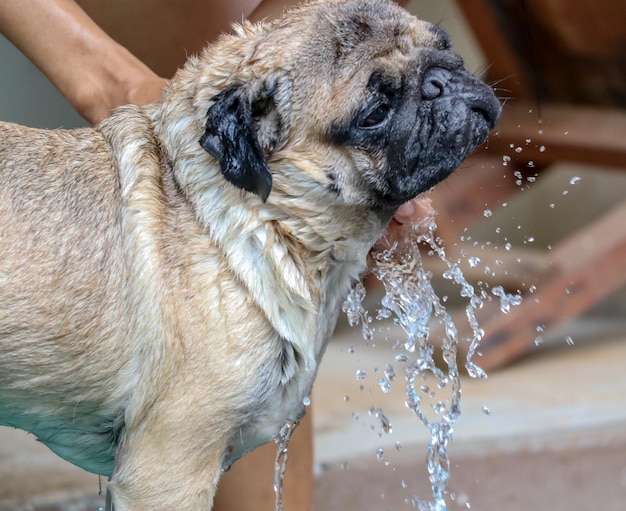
(92, 71)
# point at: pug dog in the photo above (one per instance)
(170, 278)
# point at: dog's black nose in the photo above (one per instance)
(434, 83)
(439, 82)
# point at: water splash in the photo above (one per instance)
(356, 313)
(108, 505)
(506, 300)
(413, 304)
(382, 419)
(282, 457)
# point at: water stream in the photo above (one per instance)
(433, 391)
(282, 457)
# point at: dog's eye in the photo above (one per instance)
(376, 117)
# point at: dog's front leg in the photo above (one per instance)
(166, 465)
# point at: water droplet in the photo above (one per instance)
(474, 371)
(306, 401)
(486, 410)
(574, 180)
(518, 150)
(542, 149)
(569, 341)
(361, 374)
(506, 300)
(383, 420)
(473, 262)
(390, 374)
(367, 333)
(463, 500)
(487, 213)
(439, 407)
(380, 454)
(384, 385)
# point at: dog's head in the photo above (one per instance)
(364, 98)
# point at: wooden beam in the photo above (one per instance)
(591, 263)
(550, 133)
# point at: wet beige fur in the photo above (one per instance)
(144, 297)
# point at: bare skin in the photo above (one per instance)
(103, 74)
(100, 74)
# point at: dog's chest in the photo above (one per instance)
(292, 369)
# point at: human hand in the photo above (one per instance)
(414, 212)
(137, 86)
(92, 71)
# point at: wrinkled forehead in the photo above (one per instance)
(347, 41)
(352, 32)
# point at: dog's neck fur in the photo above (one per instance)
(311, 255)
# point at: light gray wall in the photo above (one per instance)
(26, 96)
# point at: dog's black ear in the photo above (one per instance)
(230, 136)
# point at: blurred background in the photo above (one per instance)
(541, 212)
